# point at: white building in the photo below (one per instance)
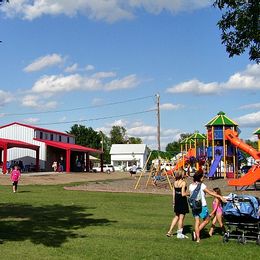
(53, 146)
(123, 156)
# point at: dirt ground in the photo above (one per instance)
(114, 182)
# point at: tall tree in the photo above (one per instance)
(175, 147)
(118, 135)
(135, 140)
(86, 136)
(240, 27)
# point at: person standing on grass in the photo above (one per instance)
(15, 177)
(204, 214)
(217, 212)
(180, 204)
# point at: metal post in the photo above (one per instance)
(158, 121)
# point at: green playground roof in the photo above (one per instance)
(198, 135)
(257, 132)
(221, 119)
(187, 140)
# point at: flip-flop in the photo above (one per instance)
(169, 234)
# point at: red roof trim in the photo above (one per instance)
(67, 146)
(15, 143)
(37, 128)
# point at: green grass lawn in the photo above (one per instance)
(48, 222)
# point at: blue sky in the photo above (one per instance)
(111, 57)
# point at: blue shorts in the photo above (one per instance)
(203, 214)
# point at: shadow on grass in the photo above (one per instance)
(50, 225)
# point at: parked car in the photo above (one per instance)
(108, 168)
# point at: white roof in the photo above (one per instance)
(128, 149)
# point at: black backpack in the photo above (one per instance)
(194, 203)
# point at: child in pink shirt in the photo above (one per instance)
(217, 213)
(15, 177)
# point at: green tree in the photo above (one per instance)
(86, 136)
(240, 26)
(118, 135)
(173, 148)
(135, 140)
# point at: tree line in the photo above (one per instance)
(87, 136)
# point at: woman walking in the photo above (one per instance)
(180, 204)
(203, 214)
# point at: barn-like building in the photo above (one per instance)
(38, 147)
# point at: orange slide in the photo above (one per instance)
(253, 174)
(182, 161)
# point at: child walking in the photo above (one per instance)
(217, 212)
(15, 177)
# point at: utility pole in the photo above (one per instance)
(158, 122)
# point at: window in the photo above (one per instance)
(68, 139)
(51, 137)
(41, 135)
(46, 136)
(59, 138)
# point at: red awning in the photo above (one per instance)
(71, 147)
(15, 143)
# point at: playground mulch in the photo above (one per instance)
(128, 184)
(114, 182)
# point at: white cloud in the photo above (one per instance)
(120, 122)
(127, 82)
(44, 62)
(38, 102)
(107, 10)
(103, 75)
(169, 106)
(249, 79)
(142, 130)
(59, 83)
(196, 87)
(249, 120)
(251, 106)
(71, 68)
(5, 97)
(89, 67)
(31, 120)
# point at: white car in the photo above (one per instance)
(106, 168)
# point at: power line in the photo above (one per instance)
(98, 118)
(77, 108)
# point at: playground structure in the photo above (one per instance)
(222, 152)
(218, 153)
(193, 150)
(222, 134)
